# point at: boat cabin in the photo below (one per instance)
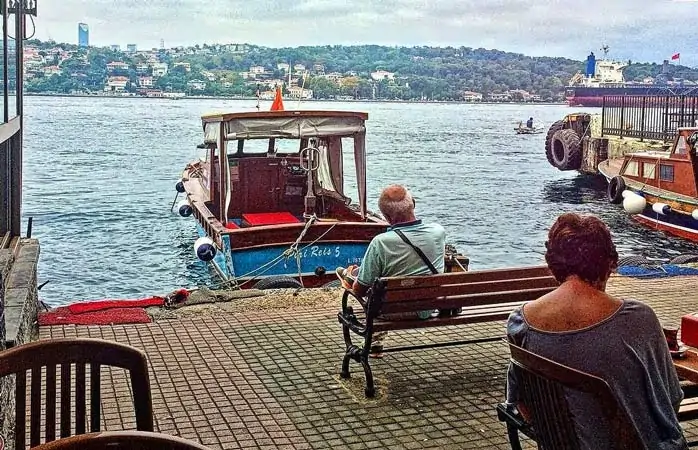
(279, 167)
(675, 171)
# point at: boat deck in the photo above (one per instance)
(262, 373)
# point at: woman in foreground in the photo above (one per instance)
(618, 340)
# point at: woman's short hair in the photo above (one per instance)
(395, 201)
(581, 246)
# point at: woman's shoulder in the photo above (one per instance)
(516, 325)
(638, 308)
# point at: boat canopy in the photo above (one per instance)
(282, 124)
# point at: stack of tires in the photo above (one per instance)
(563, 147)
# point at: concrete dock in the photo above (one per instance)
(263, 373)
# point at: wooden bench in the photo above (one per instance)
(484, 296)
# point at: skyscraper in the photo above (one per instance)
(83, 35)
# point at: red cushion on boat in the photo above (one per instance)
(274, 218)
(232, 226)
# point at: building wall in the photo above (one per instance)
(19, 298)
(83, 35)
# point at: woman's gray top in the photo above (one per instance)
(628, 350)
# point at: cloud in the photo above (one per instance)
(634, 29)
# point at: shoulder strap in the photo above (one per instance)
(419, 252)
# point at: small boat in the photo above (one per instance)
(659, 188)
(270, 199)
(526, 130)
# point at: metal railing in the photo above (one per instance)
(651, 117)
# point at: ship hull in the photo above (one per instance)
(594, 96)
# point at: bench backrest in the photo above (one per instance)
(461, 289)
(542, 390)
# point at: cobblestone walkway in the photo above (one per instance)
(251, 377)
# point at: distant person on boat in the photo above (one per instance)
(529, 123)
(619, 340)
(409, 247)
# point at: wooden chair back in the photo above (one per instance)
(59, 356)
(123, 440)
(543, 385)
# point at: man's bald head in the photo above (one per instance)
(396, 204)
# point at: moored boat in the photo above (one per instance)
(659, 188)
(270, 198)
(526, 130)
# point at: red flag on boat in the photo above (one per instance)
(278, 104)
(675, 56)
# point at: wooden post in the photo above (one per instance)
(642, 118)
(665, 131)
(603, 114)
(622, 115)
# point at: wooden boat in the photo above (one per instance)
(270, 199)
(526, 130)
(659, 188)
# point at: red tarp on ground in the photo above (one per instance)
(101, 312)
(100, 305)
(63, 316)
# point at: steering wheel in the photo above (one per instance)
(311, 157)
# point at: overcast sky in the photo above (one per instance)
(641, 30)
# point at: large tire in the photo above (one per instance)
(278, 282)
(684, 259)
(554, 128)
(615, 189)
(566, 150)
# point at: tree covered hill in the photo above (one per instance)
(440, 73)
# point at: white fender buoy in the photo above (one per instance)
(661, 208)
(205, 249)
(633, 203)
(184, 208)
(694, 214)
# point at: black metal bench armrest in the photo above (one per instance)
(347, 317)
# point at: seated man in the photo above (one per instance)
(409, 247)
(529, 123)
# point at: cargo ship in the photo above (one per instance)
(604, 78)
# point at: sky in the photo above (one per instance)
(639, 30)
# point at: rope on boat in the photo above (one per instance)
(292, 251)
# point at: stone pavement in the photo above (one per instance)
(251, 375)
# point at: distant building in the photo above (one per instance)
(142, 68)
(318, 69)
(83, 35)
(210, 76)
(299, 69)
(379, 75)
(185, 65)
(52, 70)
(470, 96)
(257, 70)
(116, 84)
(132, 48)
(115, 47)
(117, 65)
(145, 82)
(298, 92)
(283, 66)
(197, 85)
(159, 69)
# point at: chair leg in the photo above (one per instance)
(513, 434)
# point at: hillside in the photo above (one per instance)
(439, 73)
